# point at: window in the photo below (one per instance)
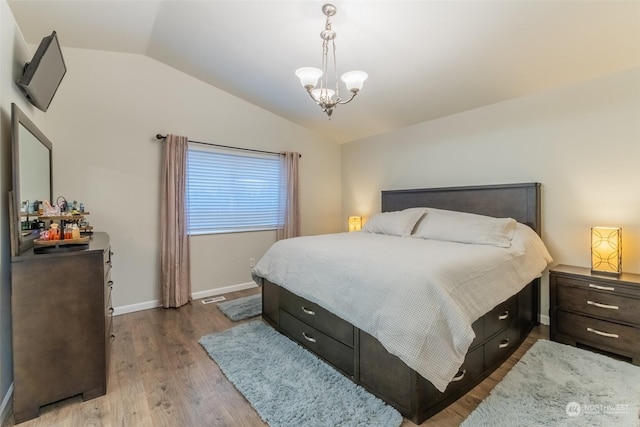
(230, 192)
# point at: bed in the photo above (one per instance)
(372, 354)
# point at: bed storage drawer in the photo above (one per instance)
(501, 315)
(500, 346)
(316, 316)
(334, 352)
(471, 369)
(386, 375)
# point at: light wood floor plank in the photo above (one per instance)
(161, 376)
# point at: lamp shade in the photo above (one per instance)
(355, 223)
(606, 250)
(354, 80)
(309, 76)
(323, 95)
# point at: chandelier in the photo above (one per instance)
(322, 95)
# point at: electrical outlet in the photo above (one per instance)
(252, 262)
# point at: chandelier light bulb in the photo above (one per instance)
(323, 95)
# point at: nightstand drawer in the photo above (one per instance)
(600, 304)
(600, 333)
(596, 283)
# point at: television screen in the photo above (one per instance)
(43, 74)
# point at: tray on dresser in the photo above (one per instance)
(43, 246)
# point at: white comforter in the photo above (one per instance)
(417, 297)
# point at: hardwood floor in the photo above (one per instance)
(161, 376)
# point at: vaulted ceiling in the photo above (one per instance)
(425, 59)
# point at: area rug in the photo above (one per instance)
(242, 308)
(289, 386)
(558, 385)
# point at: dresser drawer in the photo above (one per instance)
(501, 315)
(497, 348)
(316, 316)
(609, 306)
(334, 352)
(599, 333)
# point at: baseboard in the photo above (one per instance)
(195, 295)
(545, 320)
(131, 308)
(225, 290)
(6, 405)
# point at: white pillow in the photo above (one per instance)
(462, 227)
(397, 223)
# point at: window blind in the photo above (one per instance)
(229, 192)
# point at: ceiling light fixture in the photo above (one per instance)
(327, 98)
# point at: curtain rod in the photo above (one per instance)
(158, 136)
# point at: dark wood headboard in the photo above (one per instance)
(518, 201)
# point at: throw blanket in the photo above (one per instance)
(417, 297)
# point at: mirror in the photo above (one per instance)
(32, 180)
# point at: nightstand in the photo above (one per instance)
(596, 311)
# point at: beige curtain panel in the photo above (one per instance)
(174, 239)
(289, 196)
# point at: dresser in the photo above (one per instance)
(61, 325)
(596, 311)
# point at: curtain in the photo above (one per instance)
(289, 196)
(174, 239)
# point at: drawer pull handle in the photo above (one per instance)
(459, 375)
(602, 288)
(600, 305)
(504, 315)
(602, 334)
(503, 344)
(307, 311)
(110, 310)
(308, 338)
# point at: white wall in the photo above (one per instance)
(581, 142)
(103, 123)
(14, 52)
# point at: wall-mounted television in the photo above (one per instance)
(42, 76)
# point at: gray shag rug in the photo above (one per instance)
(558, 385)
(289, 386)
(242, 308)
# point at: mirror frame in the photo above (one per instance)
(18, 118)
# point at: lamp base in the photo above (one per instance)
(606, 273)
